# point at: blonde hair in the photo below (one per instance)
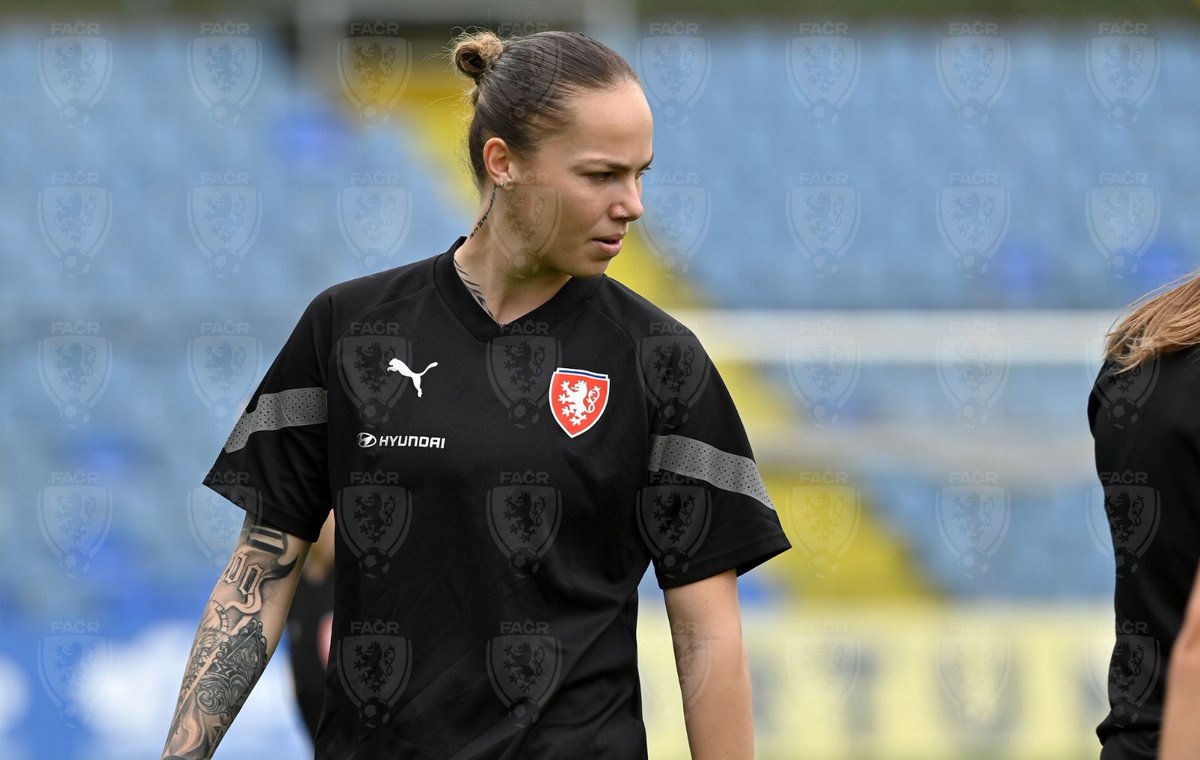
(1164, 320)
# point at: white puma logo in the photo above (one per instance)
(395, 365)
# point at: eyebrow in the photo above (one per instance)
(614, 165)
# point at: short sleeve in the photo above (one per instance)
(704, 508)
(274, 463)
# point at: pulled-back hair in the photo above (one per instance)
(522, 85)
(1166, 319)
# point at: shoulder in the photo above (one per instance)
(344, 302)
(633, 313)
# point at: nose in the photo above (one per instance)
(629, 206)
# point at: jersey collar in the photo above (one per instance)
(460, 301)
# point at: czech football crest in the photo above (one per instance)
(578, 398)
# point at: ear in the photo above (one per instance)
(498, 161)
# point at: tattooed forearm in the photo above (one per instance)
(241, 625)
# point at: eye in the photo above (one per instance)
(601, 175)
(643, 171)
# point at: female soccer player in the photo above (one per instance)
(1143, 418)
(508, 438)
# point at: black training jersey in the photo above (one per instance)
(1146, 427)
(499, 493)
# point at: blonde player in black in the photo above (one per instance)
(508, 438)
(1146, 425)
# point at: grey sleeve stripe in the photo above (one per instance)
(298, 406)
(697, 459)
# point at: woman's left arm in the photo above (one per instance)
(714, 673)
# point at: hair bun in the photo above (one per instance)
(476, 54)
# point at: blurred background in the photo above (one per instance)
(900, 228)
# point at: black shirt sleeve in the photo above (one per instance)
(275, 461)
(704, 509)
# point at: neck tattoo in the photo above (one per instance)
(474, 289)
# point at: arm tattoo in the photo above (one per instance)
(231, 647)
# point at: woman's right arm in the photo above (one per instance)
(1180, 729)
(240, 627)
